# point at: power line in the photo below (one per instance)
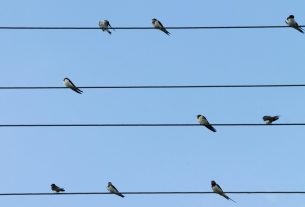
(143, 28)
(153, 86)
(144, 125)
(151, 193)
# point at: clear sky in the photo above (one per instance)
(151, 159)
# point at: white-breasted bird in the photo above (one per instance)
(270, 119)
(57, 189)
(292, 23)
(158, 25)
(68, 83)
(203, 121)
(217, 189)
(105, 25)
(113, 190)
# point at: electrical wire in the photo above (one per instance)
(145, 125)
(143, 28)
(151, 193)
(153, 86)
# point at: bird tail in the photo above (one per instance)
(300, 29)
(232, 200)
(210, 127)
(228, 198)
(120, 194)
(276, 117)
(62, 189)
(79, 91)
(165, 31)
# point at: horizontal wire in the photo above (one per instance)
(152, 86)
(142, 125)
(152, 193)
(145, 28)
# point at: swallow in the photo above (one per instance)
(270, 119)
(57, 189)
(113, 190)
(217, 189)
(68, 83)
(292, 23)
(105, 26)
(203, 121)
(158, 25)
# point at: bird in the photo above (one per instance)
(270, 119)
(68, 83)
(217, 189)
(113, 190)
(292, 23)
(105, 25)
(203, 121)
(158, 25)
(57, 189)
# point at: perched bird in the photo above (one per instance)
(203, 121)
(270, 119)
(158, 25)
(68, 83)
(57, 189)
(292, 23)
(217, 189)
(105, 25)
(113, 190)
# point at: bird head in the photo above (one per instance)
(213, 183)
(290, 17)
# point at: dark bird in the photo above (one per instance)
(113, 190)
(270, 119)
(158, 25)
(217, 189)
(68, 83)
(203, 121)
(105, 25)
(57, 189)
(292, 23)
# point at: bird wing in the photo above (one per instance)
(207, 124)
(219, 188)
(266, 118)
(160, 24)
(114, 189)
(73, 87)
(300, 29)
(56, 188)
(210, 127)
(72, 84)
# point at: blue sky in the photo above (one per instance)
(151, 159)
